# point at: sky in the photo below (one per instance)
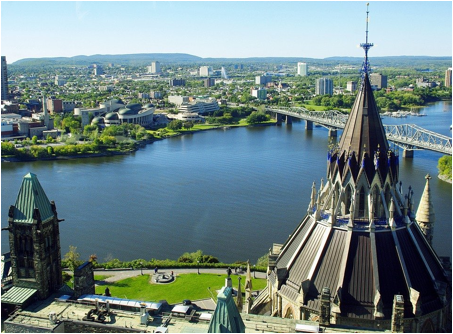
(224, 29)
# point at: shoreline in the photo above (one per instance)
(444, 178)
(139, 145)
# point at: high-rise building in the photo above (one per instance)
(361, 256)
(4, 79)
(59, 81)
(324, 86)
(206, 71)
(260, 93)
(378, 80)
(262, 79)
(98, 70)
(351, 86)
(447, 77)
(177, 82)
(302, 69)
(154, 68)
(209, 82)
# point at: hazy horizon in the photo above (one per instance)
(224, 29)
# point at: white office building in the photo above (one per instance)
(154, 68)
(206, 71)
(302, 69)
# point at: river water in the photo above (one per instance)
(231, 193)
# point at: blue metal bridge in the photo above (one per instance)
(410, 137)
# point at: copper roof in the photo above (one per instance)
(31, 196)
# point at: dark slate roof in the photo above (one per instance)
(328, 271)
(358, 285)
(301, 266)
(364, 127)
(31, 196)
(295, 241)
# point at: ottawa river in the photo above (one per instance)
(231, 193)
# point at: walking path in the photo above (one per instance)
(117, 275)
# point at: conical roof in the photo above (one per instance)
(226, 317)
(425, 211)
(31, 196)
(364, 132)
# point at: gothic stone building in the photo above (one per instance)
(34, 241)
(358, 257)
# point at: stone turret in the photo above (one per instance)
(425, 213)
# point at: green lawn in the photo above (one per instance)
(186, 286)
(101, 277)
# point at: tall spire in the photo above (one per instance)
(364, 132)
(366, 46)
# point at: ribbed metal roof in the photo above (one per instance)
(363, 131)
(17, 295)
(31, 196)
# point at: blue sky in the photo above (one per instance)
(33, 29)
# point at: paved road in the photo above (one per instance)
(117, 275)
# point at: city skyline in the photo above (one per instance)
(224, 29)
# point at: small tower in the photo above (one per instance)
(425, 213)
(34, 240)
(45, 112)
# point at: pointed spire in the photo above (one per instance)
(248, 282)
(239, 295)
(364, 132)
(313, 195)
(425, 216)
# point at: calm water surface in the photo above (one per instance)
(231, 193)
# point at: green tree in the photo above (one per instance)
(34, 140)
(188, 125)
(257, 117)
(175, 125)
(444, 165)
(72, 258)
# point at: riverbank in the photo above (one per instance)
(139, 144)
(444, 178)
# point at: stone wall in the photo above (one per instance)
(84, 280)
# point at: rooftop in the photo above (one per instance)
(70, 314)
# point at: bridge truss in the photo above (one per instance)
(407, 136)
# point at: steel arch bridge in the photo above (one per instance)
(407, 136)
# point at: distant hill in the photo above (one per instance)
(126, 59)
(141, 59)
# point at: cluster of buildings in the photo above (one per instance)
(360, 260)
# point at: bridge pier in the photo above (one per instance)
(308, 125)
(332, 132)
(289, 119)
(279, 118)
(408, 153)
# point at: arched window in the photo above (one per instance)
(376, 202)
(348, 199)
(387, 195)
(289, 313)
(362, 203)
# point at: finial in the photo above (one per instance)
(366, 46)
